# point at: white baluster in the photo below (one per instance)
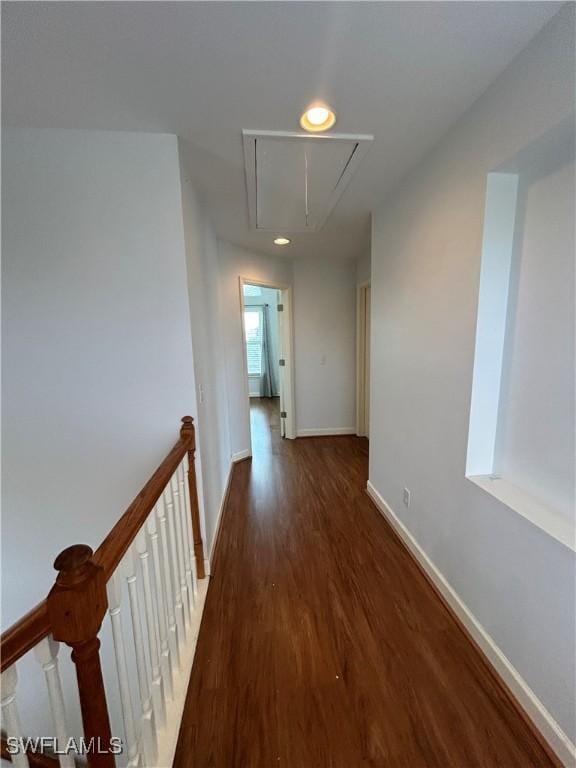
(175, 486)
(114, 609)
(178, 608)
(10, 716)
(46, 653)
(153, 635)
(173, 641)
(165, 660)
(185, 513)
(147, 717)
(190, 534)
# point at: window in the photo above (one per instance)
(253, 326)
(252, 290)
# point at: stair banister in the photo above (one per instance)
(187, 431)
(77, 604)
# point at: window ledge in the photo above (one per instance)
(541, 515)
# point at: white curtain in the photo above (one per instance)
(269, 385)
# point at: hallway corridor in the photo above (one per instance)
(322, 644)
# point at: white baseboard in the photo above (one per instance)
(534, 708)
(236, 457)
(168, 736)
(240, 455)
(223, 501)
(325, 431)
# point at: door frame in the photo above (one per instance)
(362, 341)
(287, 350)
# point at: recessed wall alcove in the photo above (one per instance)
(521, 435)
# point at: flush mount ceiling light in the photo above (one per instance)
(281, 241)
(318, 118)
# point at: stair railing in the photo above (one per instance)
(154, 555)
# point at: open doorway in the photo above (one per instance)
(267, 339)
(363, 360)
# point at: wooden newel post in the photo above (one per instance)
(188, 432)
(77, 604)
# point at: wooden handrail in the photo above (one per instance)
(115, 545)
(27, 632)
(22, 636)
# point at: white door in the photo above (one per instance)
(363, 299)
(282, 361)
(286, 374)
(367, 364)
(285, 352)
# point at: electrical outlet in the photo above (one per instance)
(406, 497)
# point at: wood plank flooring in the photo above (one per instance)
(322, 644)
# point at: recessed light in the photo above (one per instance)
(317, 118)
(281, 241)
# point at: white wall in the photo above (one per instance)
(535, 442)
(234, 263)
(363, 267)
(426, 247)
(492, 307)
(324, 327)
(209, 355)
(97, 367)
(325, 352)
(96, 338)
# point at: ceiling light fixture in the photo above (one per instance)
(281, 241)
(317, 118)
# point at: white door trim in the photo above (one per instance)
(287, 350)
(361, 346)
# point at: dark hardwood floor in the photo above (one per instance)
(322, 644)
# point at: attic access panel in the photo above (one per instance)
(294, 180)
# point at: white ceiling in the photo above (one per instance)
(403, 71)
